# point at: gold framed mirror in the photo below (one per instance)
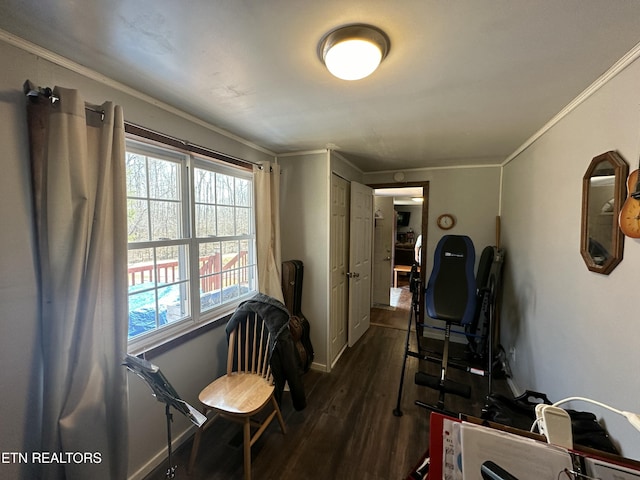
(603, 192)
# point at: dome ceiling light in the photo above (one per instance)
(354, 51)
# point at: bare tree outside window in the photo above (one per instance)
(170, 268)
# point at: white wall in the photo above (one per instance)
(304, 202)
(345, 169)
(189, 366)
(471, 194)
(305, 219)
(575, 332)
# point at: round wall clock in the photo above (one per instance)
(446, 221)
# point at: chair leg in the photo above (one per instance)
(194, 450)
(247, 449)
(196, 439)
(279, 414)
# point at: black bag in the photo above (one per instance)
(520, 413)
(589, 433)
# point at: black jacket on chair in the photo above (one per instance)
(284, 363)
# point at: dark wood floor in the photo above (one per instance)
(348, 429)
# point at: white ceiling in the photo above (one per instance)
(465, 82)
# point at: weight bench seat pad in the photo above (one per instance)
(451, 291)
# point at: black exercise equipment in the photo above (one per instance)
(415, 286)
(462, 300)
(451, 281)
(450, 296)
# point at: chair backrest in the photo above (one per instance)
(249, 347)
(451, 291)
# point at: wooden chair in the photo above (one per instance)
(245, 390)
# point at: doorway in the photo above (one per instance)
(401, 214)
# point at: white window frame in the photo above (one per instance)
(189, 162)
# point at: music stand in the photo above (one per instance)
(164, 392)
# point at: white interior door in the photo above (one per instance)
(383, 243)
(360, 260)
(339, 266)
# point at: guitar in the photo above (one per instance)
(298, 332)
(292, 273)
(629, 218)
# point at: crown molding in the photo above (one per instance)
(68, 64)
(617, 67)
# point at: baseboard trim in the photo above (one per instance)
(335, 361)
(319, 367)
(161, 456)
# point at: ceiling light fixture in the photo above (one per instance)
(354, 51)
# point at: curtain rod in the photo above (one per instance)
(192, 147)
(32, 91)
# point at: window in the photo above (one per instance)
(191, 241)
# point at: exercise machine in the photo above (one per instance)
(467, 304)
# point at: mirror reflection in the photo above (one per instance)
(603, 193)
(601, 203)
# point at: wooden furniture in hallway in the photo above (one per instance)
(400, 269)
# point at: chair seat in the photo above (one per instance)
(237, 393)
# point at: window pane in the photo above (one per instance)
(210, 292)
(244, 249)
(210, 265)
(161, 275)
(224, 189)
(172, 264)
(164, 179)
(204, 186)
(242, 221)
(136, 175)
(235, 280)
(205, 220)
(158, 287)
(165, 220)
(137, 220)
(246, 267)
(142, 313)
(225, 221)
(173, 303)
(243, 192)
(141, 263)
(246, 280)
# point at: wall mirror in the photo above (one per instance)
(603, 192)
